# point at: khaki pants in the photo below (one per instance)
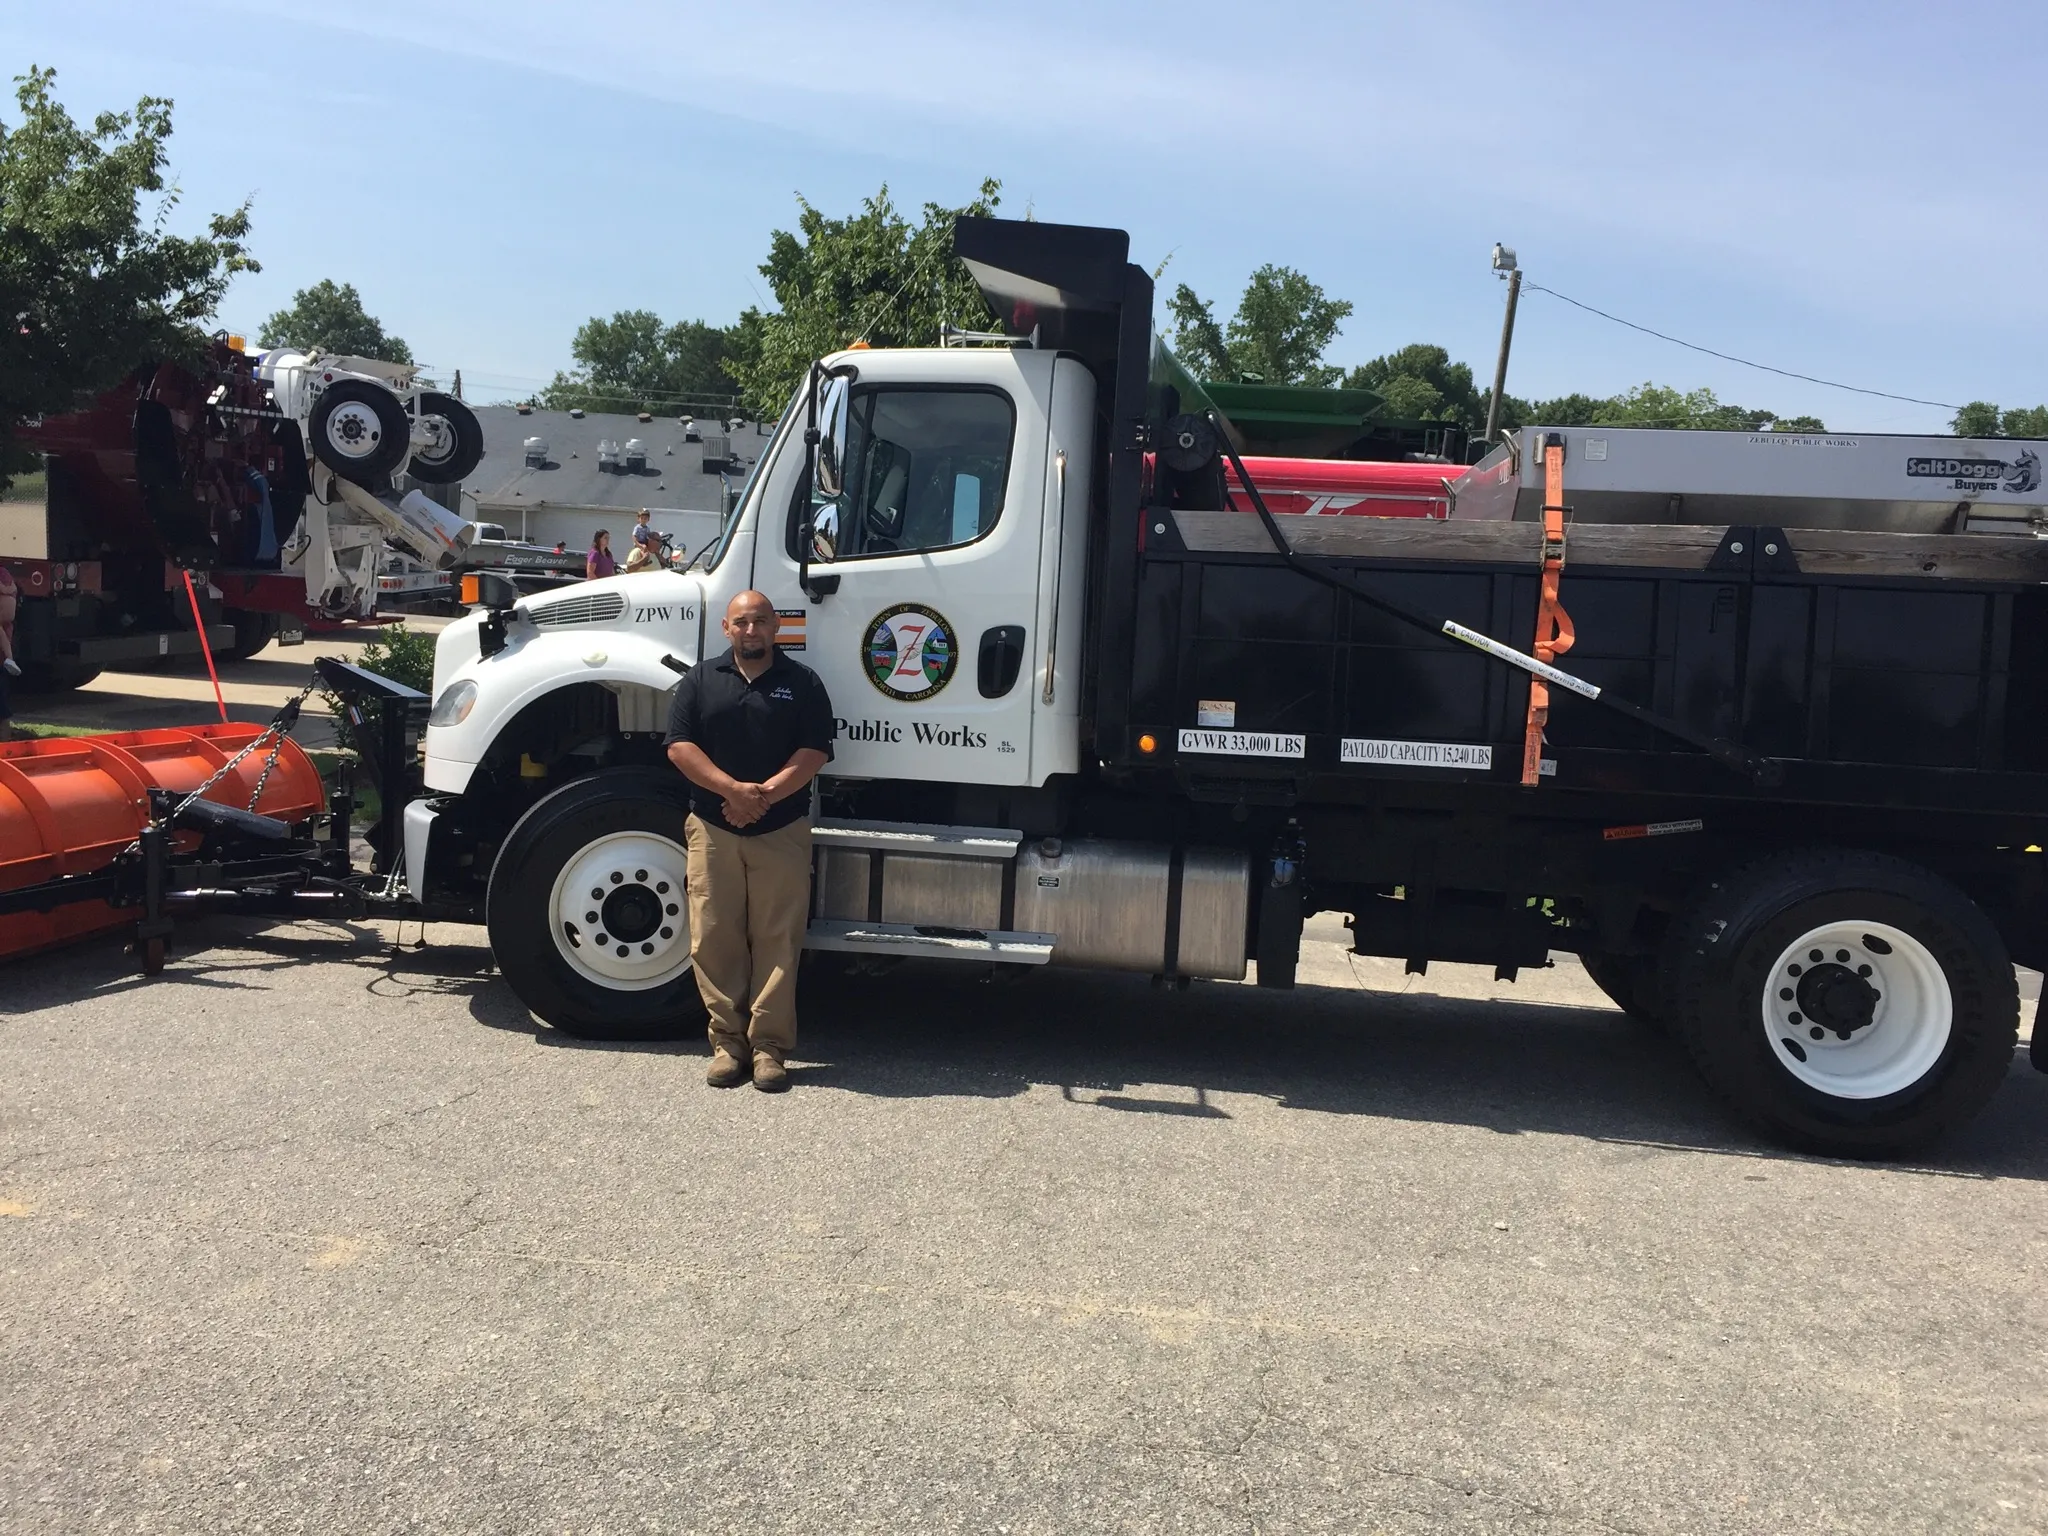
(750, 901)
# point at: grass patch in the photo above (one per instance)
(41, 730)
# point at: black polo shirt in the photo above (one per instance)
(750, 730)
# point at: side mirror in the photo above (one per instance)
(825, 532)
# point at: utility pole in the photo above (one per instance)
(458, 383)
(1504, 264)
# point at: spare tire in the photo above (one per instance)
(360, 431)
(457, 445)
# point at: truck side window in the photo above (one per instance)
(926, 469)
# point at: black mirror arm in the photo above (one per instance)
(810, 523)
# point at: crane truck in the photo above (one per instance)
(1747, 722)
(272, 479)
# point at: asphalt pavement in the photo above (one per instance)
(319, 1232)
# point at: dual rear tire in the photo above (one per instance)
(1847, 1003)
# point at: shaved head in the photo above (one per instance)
(750, 624)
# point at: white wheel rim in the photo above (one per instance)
(618, 914)
(1829, 1031)
(353, 430)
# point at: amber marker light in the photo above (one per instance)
(1148, 743)
(470, 594)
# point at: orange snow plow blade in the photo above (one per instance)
(69, 805)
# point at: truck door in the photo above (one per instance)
(928, 645)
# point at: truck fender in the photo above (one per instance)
(631, 666)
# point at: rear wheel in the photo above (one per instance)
(1848, 1003)
(253, 631)
(54, 676)
(587, 912)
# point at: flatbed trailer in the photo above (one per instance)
(1783, 788)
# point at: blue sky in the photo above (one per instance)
(1856, 191)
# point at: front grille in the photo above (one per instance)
(591, 608)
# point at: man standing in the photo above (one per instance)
(749, 729)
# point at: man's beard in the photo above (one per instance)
(751, 650)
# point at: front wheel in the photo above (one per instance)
(1849, 1003)
(587, 910)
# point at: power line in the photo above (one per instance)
(1731, 358)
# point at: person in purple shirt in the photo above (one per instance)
(599, 561)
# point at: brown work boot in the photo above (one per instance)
(726, 1070)
(770, 1075)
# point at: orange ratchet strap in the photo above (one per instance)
(1554, 633)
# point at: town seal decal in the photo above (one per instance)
(910, 652)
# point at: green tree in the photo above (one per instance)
(633, 362)
(1572, 410)
(1980, 418)
(90, 285)
(875, 276)
(1659, 405)
(1421, 383)
(1283, 325)
(1977, 419)
(329, 317)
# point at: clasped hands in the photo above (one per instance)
(747, 804)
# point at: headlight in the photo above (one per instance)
(454, 705)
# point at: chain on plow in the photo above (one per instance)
(275, 733)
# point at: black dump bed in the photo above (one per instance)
(1884, 675)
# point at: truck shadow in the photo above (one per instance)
(1113, 1044)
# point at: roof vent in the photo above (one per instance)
(647, 415)
(575, 413)
(523, 409)
(607, 456)
(635, 455)
(536, 452)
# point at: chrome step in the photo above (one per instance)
(928, 940)
(917, 837)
